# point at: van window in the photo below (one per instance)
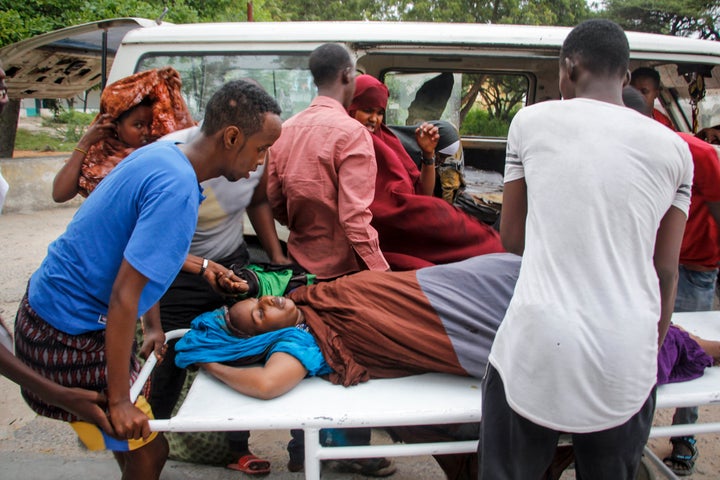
(478, 103)
(708, 108)
(675, 92)
(285, 76)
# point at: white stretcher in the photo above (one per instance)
(417, 400)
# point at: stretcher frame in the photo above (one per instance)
(426, 399)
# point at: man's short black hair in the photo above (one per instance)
(326, 61)
(239, 103)
(599, 46)
(646, 72)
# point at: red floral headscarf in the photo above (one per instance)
(170, 113)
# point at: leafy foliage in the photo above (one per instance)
(19, 20)
(699, 18)
(481, 122)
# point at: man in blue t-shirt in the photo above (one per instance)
(119, 254)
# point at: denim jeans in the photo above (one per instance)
(696, 290)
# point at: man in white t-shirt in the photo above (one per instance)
(595, 199)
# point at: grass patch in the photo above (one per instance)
(41, 142)
(61, 133)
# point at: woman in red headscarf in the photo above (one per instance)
(415, 229)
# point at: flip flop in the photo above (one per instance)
(251, 465)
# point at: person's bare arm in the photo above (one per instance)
(127, 420)
(261, 217)
(427, 137)
(666, 258)
(86, 404)
(513, 216)
(279, 375)
(65, 184)
(221, 279)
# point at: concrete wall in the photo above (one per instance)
(30, 182)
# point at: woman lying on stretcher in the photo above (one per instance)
(382, 325)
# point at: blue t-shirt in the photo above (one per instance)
(144, 211)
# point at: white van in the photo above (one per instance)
(476, 76)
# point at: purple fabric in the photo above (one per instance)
(680, 358)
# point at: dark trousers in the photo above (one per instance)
(188, 296)
(514, 448)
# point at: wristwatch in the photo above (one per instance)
(204, 267)
(428, 161)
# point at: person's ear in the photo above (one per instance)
(233, 136)
(628, 76)
(570, 68)
(345, 75)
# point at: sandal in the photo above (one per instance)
(251, 465)
(679, 461)
(369, 467)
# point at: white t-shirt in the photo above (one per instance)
(220, 218)
(577, 350)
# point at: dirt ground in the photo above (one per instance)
(26, 438)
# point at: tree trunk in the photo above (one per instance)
(8, 128)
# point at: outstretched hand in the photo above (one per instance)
(223, 280)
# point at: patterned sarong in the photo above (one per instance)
(70, 360)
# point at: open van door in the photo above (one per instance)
(65, 62)
(59, 64)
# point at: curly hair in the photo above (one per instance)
(326, 61)
(600, 46)
(239, 103)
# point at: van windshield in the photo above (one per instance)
(285, 76)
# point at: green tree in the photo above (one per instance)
(527, 12)
(20, 20)
(312, 10)
(672, 17)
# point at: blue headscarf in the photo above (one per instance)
(208, 341)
